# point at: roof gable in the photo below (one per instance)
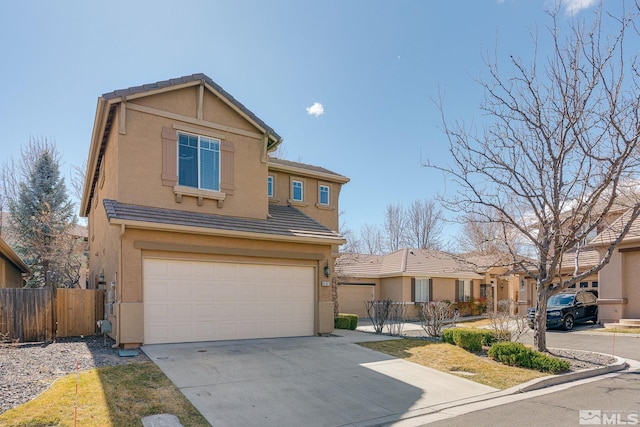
(186, 81)
(107, 108)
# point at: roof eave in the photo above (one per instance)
(13, 257)
(302, 238)
(308, 172)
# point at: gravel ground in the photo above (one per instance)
(26, 370)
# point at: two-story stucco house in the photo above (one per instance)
(194, 231)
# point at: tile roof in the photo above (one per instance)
(406, 262)
(188, 79)
(587, 257)
(612, 232)
(282, 162)
(283, 220)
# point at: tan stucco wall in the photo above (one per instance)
(610, 280)
(630, 287)
(140, 156)
(393, 288)
(443, 289)
(327, 215)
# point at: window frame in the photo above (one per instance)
(464, 284)
(419, 283)
(271, 186)
(328, 193)
(198, 160)
(293, 187)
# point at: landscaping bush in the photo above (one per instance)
(469, 339)
(353, 320)
(516, 354)
(341, 322)
(346, 321)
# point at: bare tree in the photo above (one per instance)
(394, 227)
(485, 237)
(424, 224)
(560, 139)
(371, 240)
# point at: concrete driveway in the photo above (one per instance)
(310, 381)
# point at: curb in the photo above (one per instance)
(536, 384)
(552, 380)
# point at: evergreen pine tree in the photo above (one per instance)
(42, 218)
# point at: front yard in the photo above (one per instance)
(135, 390)
(457, 361)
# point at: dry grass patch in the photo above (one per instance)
(474, 323)
(454, 360)
(110, 396)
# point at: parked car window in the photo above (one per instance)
(560, 299)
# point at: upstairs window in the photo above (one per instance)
(297, 191)
(270, 186)
(198, 162)
(324, 195)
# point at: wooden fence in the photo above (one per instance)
(29, 315)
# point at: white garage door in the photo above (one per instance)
(187, 301)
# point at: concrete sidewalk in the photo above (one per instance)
(310, 381)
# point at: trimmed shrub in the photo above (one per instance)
(516, 354)
(469, 339)
(341, 322)
(447, 336)
(346, 321)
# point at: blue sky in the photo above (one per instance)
(374, 67)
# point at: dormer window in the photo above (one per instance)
(324, 195)
(198, 162)
(297, 191)
(270, 186)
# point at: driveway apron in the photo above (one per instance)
(305, 381)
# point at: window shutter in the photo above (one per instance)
(430, 289)
(470, 290)
(227, 152)
(413, 289)
(169, 157)
(457, 298)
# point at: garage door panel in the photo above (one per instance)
(351, 298)
(200, 301)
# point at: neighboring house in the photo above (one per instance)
(12, 268)
(194, 231)
(619, 290)
(79, 233)
(408, 275)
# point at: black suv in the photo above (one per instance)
(566, 308)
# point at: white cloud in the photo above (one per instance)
(315, 110)
(574, 6)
